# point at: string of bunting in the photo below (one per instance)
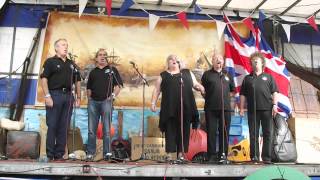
(182, 16)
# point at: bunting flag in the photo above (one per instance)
(262, 17)
(311, 20)
(183, 18)
(237, 53)
(287, 29)
(108, 7)
(125, 6)
(82, 5)
(220, 28)
(153, 20)
(197, 9)
(248, 22)
(2, 3)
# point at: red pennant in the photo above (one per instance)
(311, 20)
(248, 23)
(183, 18)
(108, 6)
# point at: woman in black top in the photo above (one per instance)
(169, 83)
(260, 91)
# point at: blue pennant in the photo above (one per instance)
(197, 8)
(125, 6)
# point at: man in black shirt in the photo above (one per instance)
(104, 84)
(57, 78)
(218, 88)
(260, 91)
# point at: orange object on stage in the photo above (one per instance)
(197, 143)
(100, 131)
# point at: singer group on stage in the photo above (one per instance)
(178, 109)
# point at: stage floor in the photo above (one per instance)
(140, 169)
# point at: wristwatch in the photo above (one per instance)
(47, 95)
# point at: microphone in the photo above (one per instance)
(133, 63)
(107, 71)
(76, 68)
(221, 74)
(72, 55)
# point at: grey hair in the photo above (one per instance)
(57, 41)
(171, 56)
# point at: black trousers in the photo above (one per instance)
(265, 118)
(173, 134)
(214, 122)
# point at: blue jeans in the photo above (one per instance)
(58, 118)
(97, 110)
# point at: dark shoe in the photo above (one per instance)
(50, 158)
(59, 159)
(212, 160)
(267, 162)
(181, 160)
(89, 158)
(224, 161)
(107, 157)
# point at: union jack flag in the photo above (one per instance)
(237, 53)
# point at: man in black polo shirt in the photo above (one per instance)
(260, 91)
(104, 84)
(57, 78)
(218, 88)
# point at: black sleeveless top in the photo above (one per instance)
(170, 102)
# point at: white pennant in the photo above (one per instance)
(287, 28)
(82, 5)
(220, 28)
(153, 20)
(2, 3)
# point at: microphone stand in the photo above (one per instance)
(145, 82)
(223, 157)
(254, 116)
(181, 116)
(109, 119)
(75, 71)
(110, 89)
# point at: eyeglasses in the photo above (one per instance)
(102, 54)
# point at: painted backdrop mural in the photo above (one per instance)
(129, 39)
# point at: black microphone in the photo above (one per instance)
(133, 63)
(107, 71)
(72, 55)
(76, 68)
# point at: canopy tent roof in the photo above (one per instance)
(289, 10)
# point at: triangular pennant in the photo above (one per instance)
(197, 9)
(153, 20)
(183, 18)
(287, 28)
(262, 17)
(125, 6)
(2, 3)
(82, 5)
(311, 20)
(108, 7)
(248, 22)
(220, 28)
